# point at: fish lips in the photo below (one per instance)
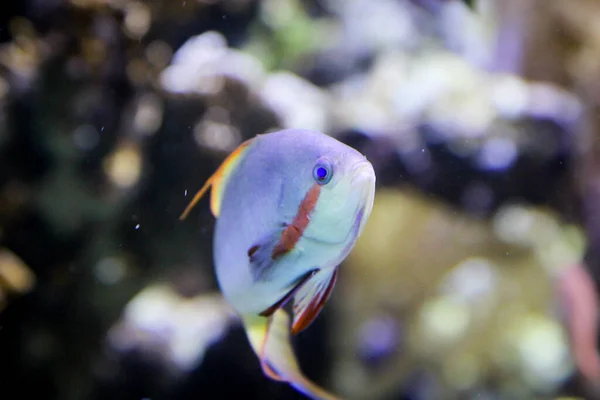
(363, 180)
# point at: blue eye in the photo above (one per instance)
(322, 173)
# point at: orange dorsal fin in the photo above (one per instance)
(217, 181)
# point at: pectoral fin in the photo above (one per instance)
(311, 297)
(264, 253)
(270, 338)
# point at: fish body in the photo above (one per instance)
(273, 178)
(289, 205)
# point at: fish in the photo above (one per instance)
(289, 207)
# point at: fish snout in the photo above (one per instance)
(363, 179)
(363, 174)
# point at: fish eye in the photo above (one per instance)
(322, 172)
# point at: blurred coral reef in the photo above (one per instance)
(475, 278)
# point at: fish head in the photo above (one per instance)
(346, 200)
(340, 178)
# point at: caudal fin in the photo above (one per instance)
(271, 340)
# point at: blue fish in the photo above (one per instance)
(290, 206)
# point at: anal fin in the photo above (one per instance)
(311, 297)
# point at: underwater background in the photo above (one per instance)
(475, 277)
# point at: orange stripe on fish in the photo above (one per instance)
(218, 181)
(293, 232)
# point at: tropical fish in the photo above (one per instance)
(290, 206)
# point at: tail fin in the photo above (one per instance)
(271, 340)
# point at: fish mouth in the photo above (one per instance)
(363, 170)
(363, 179)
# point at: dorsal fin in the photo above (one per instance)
(218, 181)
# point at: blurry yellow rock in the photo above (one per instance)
(124, 165)
(15, 276)
(467, 292)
